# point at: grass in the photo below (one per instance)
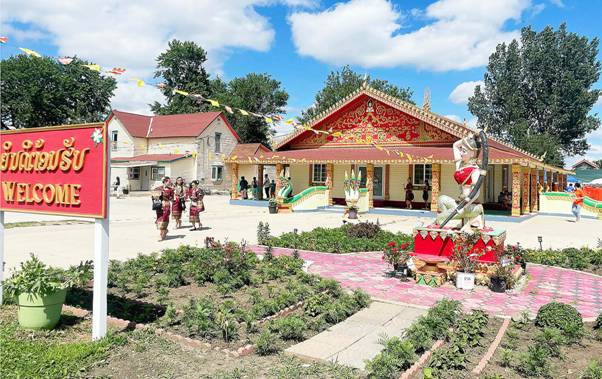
(24, 224)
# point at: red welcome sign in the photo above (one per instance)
(58, 170)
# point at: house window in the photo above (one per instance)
(319, 173)
(217, 173)
(422, 172)
(157, 173)
(134, 173)
(218, 142)
(114, 140)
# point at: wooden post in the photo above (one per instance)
(542, 186)
(369, 184)
(279, 173)
(516, 190)
(435, 185)
(387, 176)
(260, 181)
(310, 177)
(234, 184)
(534, 192)
(330, 181)
(548, 181)
(525, 208)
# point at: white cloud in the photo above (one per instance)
(463, 91)
(537, 9)
(454, 117)
(462, 34)
(131, 34)
(130, 98)
(558, 3)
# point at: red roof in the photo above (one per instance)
(354, 154)
(164, 126)
(248, 149)
(151, 157)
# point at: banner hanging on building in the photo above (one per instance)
(60, 170)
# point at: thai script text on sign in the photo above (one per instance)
(55, 170)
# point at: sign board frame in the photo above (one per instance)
(101, 227)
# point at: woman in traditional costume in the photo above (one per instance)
(409, 188)
(196, 195)
(179, 201)
(425, 193)
(165, 194)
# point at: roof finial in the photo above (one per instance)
(426, 101)
(365, 81)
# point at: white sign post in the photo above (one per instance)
(101, 266)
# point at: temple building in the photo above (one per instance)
(390, 141)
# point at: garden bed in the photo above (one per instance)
(349, 238)
(224, 296)
(584, 259)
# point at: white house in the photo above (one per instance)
(144, 149)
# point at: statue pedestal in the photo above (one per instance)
(436, 242)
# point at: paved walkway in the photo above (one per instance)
(356, 339)
(368, 272)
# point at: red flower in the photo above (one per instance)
(405, 245)
(391, 244)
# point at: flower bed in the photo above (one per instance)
(223, 295)
(349, 238)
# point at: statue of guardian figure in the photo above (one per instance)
(469, 177)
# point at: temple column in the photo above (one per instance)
(516, 190)
(234, 175)
(548, 181)
(279, 173)
(435, 185)
(369, 185)
(310, 175)
(387, 175)
(534, 207)
(329, 181)
(525, 191)
(542, 186)
(260, 180)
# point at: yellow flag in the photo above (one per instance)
(177, 151)
(214, 103)
(268, 120)
(289, 121)
(243, 112)
(194, 154)
(139, 82)
(379, 147)
(93, 67)
(401, 154)
(337, 134)
(180, 92)
(233, 157)
(30, 52)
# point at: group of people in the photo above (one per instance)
(169, 199)
(409, 193)
(269, 187)
(505, 198)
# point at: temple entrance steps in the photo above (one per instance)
(355, 340)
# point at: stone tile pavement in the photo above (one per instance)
(368, 272)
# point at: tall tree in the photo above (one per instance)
(181, 67)
(339, 84)
(538, 94)
(258, 93)
(41, 92)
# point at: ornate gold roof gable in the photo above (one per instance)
(453, 127)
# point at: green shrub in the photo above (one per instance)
(506, 357)
(289, 328)
(362, 230)
(267, 343)
(263, 233)
(551, 339)
(534, 362)
(598, 323)
(396, 357)
(317, 304)
(198, 318)
(472, 327)
(563, 317)
(362, 299)
(593, 371)
(420, 335)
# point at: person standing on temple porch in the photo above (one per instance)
(266, 186)
(244, 187)
(256, 188)
(425, 193)
(409, 188)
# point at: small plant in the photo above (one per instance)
(563, 317)
(534, 362)
(593, 371)
(36, 278)
(396, 357)
(598, 323)
(551, 339)
(289, 328)
(464, 254)
(263, 232)
(267, 343)
(506, 357)
(396, 255)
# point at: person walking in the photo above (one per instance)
(409, 188)
(179, 201)
(425, 193)
(196, 195)
(578, 202)
(164, 193)
(117, 187)
(266, 186)
(244, 187)
(273, 188)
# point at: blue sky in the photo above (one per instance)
(441, 45)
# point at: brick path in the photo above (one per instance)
(368, 272)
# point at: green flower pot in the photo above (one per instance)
(40, 312)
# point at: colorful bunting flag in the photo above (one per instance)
(269, 120)
(228, 109)
(243, 112)
(117, 71)
(290, 121)
(214, 103)
(161, 85)
(180, 92)
(65, 60)
(30, 52)
(139, 82)
(3, 39)
(93, 67)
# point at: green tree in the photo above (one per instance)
(257, 93)
(538, 94)
(339, 84)
(42, 92)
(181, 67)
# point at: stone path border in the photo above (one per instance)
(494, 345)
(421, 361)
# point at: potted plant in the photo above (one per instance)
(352, 212)
(466, 258)
(397, 256)
(273, 205)
(40, 291)
(518, 255)
(351, 186)
(501, 279)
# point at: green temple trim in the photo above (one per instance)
(586, 200)
(305, 192)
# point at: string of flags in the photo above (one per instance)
(268, 118)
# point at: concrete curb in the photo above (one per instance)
(421, 361)
(494, 345)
